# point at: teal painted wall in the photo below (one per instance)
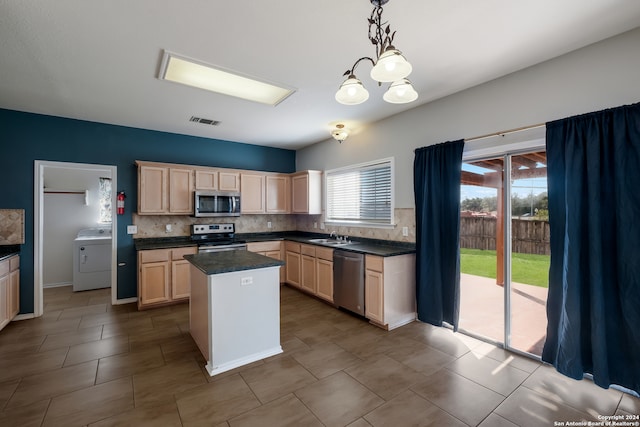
(26, 137)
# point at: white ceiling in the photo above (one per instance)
(98, 60)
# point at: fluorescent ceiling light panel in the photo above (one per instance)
(203, 76)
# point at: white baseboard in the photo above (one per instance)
(56, 285)
(126, 301)
(24, 316)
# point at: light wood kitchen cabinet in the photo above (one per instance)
(252, 194)
(278, 194)
(206, 179)
(164, 190)
(153, 189)
(292, 263)
(272, 249)
(181, 189)
(163, 276)
(14, 286)
(180, 276)
(228, 181)
(9, 289)
(390, 306)
(308, 268)
(306, 192)
(324, 273)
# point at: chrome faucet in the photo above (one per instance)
(333, 234)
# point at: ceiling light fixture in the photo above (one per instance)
(389, 66)
(340, 133)
(203, 76)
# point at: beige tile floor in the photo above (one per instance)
(86, 362)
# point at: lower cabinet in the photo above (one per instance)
(310, 268)
(324, 273)
(292, 261)
(163, 276)
(272, 249)
(389, 290)
(9, 289)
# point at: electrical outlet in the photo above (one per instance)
(246, 281)
(132, 229)
(315, 225)
(167, 228)
(405, 231)
(322, 226)
(268, 224)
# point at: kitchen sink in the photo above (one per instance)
(321, 240)
(331, 242)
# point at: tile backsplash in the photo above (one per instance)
(11, 226)
(155, 225)
(403, 218)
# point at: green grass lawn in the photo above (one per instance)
(525, 268)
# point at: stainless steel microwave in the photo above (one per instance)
(217, 203)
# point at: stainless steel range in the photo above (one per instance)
(216, 238)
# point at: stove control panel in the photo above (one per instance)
(213, 229)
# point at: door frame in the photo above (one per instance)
(38, 226)
(493, 147)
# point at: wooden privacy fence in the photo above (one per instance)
(527, 236)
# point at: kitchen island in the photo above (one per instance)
(234, 308)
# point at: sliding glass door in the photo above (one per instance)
(504, 250)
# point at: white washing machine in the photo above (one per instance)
(92, 259)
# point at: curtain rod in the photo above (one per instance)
(504, 132)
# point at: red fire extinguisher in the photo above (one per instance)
(120, 202)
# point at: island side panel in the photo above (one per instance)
(199, 317)
(246, 317)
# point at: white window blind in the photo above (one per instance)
(361, 194)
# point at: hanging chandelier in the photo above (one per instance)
(388, 67)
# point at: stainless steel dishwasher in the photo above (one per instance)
(348, 281)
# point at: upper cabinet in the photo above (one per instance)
(164, 189)
(252, 193)
(306, 192)
(278, 193)
(181, 191)
(228, 181)
(206, 179)
(153, 189)
(265, 193)
(167, 189)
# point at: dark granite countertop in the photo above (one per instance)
(383, 248)
(163, 243)
(230, 261)
(7, 251)
(377, 247)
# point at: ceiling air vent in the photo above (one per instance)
(204, 121)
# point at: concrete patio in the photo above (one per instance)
(482, 312)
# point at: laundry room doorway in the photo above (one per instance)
(70, 200)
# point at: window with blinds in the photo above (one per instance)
(361, 194)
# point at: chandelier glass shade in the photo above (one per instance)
(390, 66)
(400, 92)
(352, 92)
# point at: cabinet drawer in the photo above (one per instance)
(374, 263)
(324, 253)
(14, 262)
(263, 246)
(154, 255)
(308, 250)
(292, 247)
(178, 253)
(4, 268)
